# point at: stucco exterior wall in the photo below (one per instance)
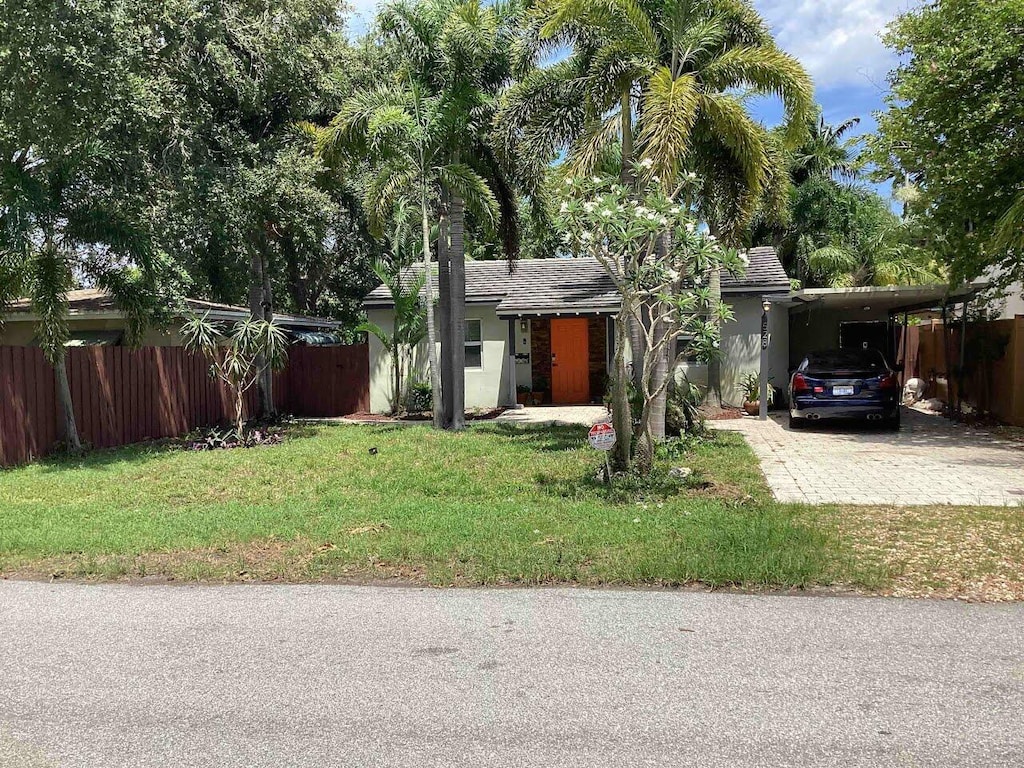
(741, 347)
(818, 329)
(486, 386)
(21, 333)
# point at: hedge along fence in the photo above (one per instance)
(124, 395)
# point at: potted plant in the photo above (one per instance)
(540, 390)
(523, 394)
(751, 384)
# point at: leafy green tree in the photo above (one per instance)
(662, 280)
(952, 130)
(76, 176)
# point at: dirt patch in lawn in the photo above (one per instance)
(964, 553)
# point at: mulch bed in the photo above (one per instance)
(487, 415)
(720, 414)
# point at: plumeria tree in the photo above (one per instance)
(661, 263)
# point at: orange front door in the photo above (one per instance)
(570, 361)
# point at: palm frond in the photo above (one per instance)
(461, 179)
(670, 108)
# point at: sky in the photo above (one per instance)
(838, 41)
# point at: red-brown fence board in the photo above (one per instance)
(124, 395)
(996, 386)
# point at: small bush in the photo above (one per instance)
(420, 397)
(682, 411)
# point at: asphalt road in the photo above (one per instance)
(252, 676)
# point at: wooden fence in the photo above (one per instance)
(993, 372)
(124, 395)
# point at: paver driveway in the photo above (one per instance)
(930, 461)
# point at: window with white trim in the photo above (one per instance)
(474, 344)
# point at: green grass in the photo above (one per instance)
(491, 505)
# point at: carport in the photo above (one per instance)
(853, 318)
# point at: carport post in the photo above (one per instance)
(762, 409)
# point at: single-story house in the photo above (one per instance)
(94, 319)
(548, 326)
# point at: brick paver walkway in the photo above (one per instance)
(930, 461)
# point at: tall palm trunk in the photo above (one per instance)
(428, 300)
(67, 407)
(457, 318)
(444, 314)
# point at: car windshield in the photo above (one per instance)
(847, 359)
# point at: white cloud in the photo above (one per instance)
(838, 41)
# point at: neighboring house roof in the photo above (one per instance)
(100, 304)
(547, 286)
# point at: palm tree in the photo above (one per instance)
(405, 133)
(409, 325)
(825, 153)
(57, 227)
(662, 81)
(461, 52)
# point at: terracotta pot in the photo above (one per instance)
(752, 407)
(523, 398)
(539, 398)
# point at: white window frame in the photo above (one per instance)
(480, 343)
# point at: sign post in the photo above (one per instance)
(602, 438)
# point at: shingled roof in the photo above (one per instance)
(546, 286)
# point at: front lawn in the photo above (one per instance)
(493, 505)
(490, 505)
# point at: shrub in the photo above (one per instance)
(419, 399)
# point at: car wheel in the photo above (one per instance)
(795, 423)
(893, 424)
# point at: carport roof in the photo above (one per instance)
(892, 298)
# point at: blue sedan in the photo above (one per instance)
(845, 384)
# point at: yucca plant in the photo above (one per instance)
(238, 355)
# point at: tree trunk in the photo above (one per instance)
(67, 407)
(428, 300)
(255, 314)
(622, 417)
(660, 372)
(268, 316)
(664, 367)
(457, 256)
(627, 176)
(444, 290)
